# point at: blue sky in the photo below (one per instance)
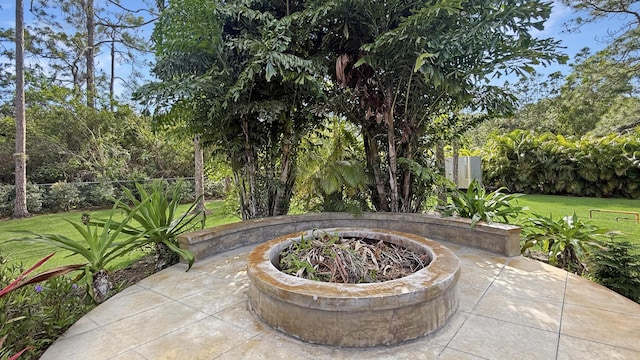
(591, 36)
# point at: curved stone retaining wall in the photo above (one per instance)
(499, 238)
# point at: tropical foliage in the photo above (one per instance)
(32, 317)
(160, 222)
(478, 205)
(251, 78)
(567, 241)
(616, 265)
(552, 164)
(99, 246)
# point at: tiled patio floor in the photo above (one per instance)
(510, 308)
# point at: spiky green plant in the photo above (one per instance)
(160, 222)
(477, 205)
(567, 240)
(98, 245)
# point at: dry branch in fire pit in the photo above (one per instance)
(330, 258)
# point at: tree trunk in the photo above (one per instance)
(20, 156)
(442, 195)
(112, 79)
(250, 204)
(373, 162)
(199, 173)
(90, 54)
(393, 155)
(456, 164)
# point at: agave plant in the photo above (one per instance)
(160, 220)
(567, 240)
(477, 205)
(98, 245)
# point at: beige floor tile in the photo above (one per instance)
(205, 339)
(240, 316)
(213, 301)
(530, 283)
(578, 349)
(450, 354)
(154, 323)
(456, 248)
(129, 355)
(531, 265)
(586, 293)
(259, 348)
(120, 307)
(181, 286)
(95, 345)
(496, 339)
(613, 328)
(83, 325)
(482, 259)
(539, 313)
(469, 296)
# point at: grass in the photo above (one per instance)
(28, 254)
(559, 206)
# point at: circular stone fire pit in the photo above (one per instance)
(355, 315)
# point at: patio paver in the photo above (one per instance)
(510, 308)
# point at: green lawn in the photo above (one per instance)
(559, 206)
(28, 254)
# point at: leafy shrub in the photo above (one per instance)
(214, 189)
(96, 194)
(477, 205)
(566, 241)
(37, 315)
(63, 196)
(7, 198)
(552, 164)
(616, 265)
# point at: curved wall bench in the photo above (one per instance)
(499, 238)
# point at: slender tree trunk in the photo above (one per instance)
(90, 54)
(373, 162)
(406, 182)
(456, 164)
(393, 155)
(112, 79)
(251, 168)
(20, 156)
(199, 173)
(442, 195)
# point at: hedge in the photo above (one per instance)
(551, 164)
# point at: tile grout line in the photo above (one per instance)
(564, 297)
(474, 305)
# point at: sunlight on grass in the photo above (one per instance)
(559, 206)
(28, 254)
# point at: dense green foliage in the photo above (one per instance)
(253, 78)
(67, 141)
(590, 166)
(616, 265)
(478, 205)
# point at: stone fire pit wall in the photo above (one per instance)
(355, 315)
(499, 238)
